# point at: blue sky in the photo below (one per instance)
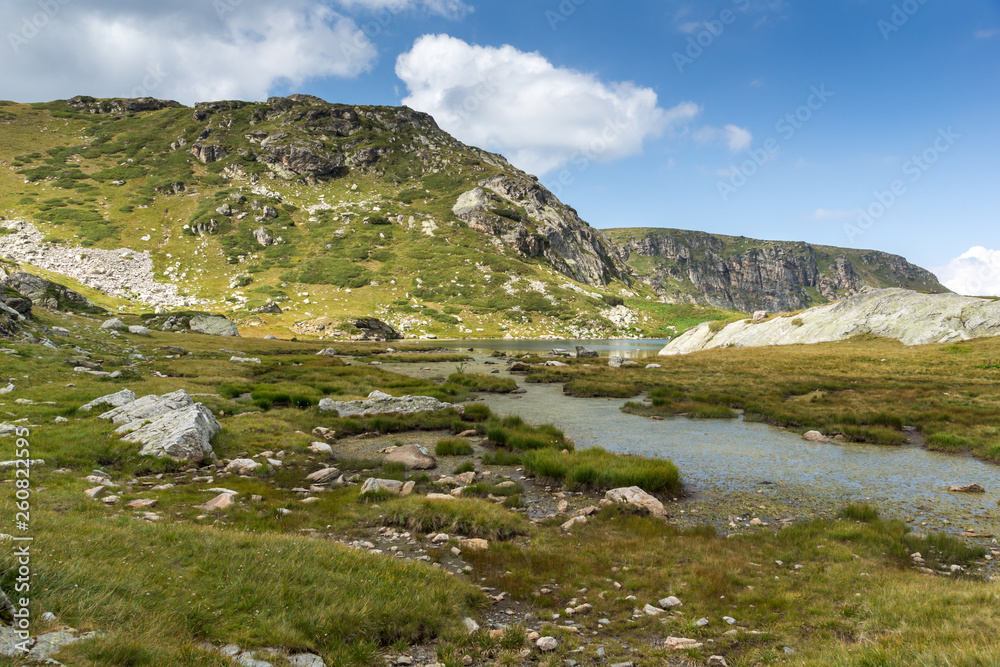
(696, 137)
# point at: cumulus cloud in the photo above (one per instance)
(539, 115)
(975, 272)
(189, 50)
(446, 8)
(736, 138)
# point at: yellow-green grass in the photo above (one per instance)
(597, 469)
(483, 382)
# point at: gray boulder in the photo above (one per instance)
(584, 353)
(616, 362)
(116, 400)
(138, 330)
(213, 325)
(633, 495)
(414, 457)
(146, 409)
(375, 330)
(114, 324)
(380, 403)
(183, 434)
(48, 294)
(372, 485)
(306, 660)
(263, 237)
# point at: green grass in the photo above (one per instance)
(598, 469)
(471, 518)
(485, 383)
(590, 388)
(453, 447)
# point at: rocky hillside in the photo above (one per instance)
(907, 316)
(747, 275)
(296, 214)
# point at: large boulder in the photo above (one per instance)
(168, 426)
(213, 325)
(633, 495)
(48, 294)
(183, 434)
(380, 403)
(375, 330)
(414, 457)
(373, 485)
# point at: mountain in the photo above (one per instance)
(297, 215)
(910, 317)
(747, 275)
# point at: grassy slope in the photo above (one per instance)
(250, 575)
(328, 259)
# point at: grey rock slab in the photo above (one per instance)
(380, 403)
(116, 400)
(184, 434)
(306, 660)
(213, 325)
(910, 317)
(633, 495)
(147, 408)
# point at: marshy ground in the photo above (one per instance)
(363, 581)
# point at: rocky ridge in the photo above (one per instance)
(748, 275)
(907, 316)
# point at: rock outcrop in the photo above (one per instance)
(526, 216)
(213, 325)
(747, 275)
(167, 426)
(374, 330)
(381, 403)
(47, 294)
(910, 317)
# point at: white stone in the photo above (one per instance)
(633, 495)
(547, 644)
(116, 400)
(242, 466)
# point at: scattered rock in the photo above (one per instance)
(547, 644)
(114, 324)
(670, 602)
(633, 495)
(138, 330)
(220, 502)
(815, 436)
(373, 485)
(320, 448)
(584, 353)
(323, 476)
(242, 466)
(681, 643)
(968, 488)
(717, 661)
(414, 457)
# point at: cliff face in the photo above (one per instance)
(749, 275)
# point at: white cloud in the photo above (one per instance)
(189, 50)
(518, 103)
(831, 214)
(987, 34)
(446, 8)
(736, 138)
(975, 272)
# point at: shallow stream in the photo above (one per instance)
(731, 467)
